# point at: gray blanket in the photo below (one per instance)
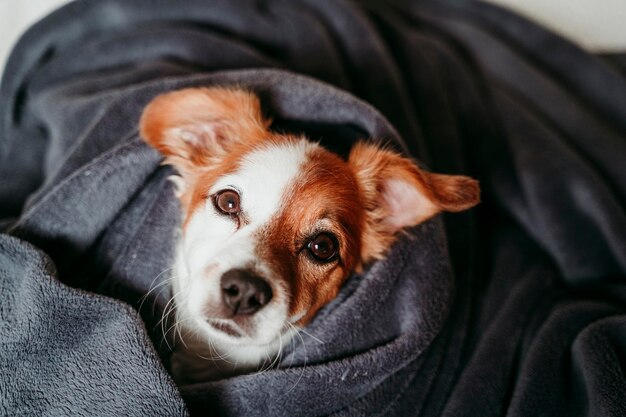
(516, 308)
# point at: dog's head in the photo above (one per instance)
(273, 224)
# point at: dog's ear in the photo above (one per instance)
(398, 194)
(192, 127)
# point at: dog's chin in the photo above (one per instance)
(215, 349)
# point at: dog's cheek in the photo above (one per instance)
(316, 289)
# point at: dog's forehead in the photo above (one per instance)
(265, 175)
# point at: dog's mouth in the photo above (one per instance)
(226, 327)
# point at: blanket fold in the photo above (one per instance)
(516, 307)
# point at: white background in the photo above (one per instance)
(597, 25)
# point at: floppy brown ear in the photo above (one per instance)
(192, 126)
(398, 194)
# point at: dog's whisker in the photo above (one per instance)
(173, 328)
(297, 331)
(154, 287)
(278, 356)
(301, 330)
(156, 298)
(164, 332)
(150, 287)
(167, 310)
(178, 328)
(159, 274)
(167, 306)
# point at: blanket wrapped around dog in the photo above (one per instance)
(515, 308)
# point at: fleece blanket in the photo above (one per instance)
(515, 308)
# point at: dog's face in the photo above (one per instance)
(274, 224)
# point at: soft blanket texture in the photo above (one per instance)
(516, 308)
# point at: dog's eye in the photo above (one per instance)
(323, 247)
(227, 202)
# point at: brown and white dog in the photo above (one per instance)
(273, 224)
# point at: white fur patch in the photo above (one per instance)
(264, 176)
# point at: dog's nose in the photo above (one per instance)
(244, 292)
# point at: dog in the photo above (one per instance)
(273, 224)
